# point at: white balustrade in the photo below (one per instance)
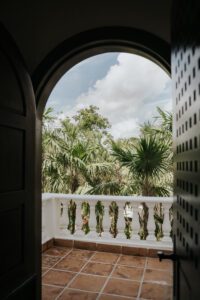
(55, 219)
(79, 220)
(151, 226)
(135, 221)
(121, 220)
(49, 218)
(92, 220)
(63, 215)
(166, 223)
(106, 219)
(44, 224)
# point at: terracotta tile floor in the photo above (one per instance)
(88, 275)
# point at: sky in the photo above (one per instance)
(127, 88)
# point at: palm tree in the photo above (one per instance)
(65, 155)
(85, 159)
(146, 162)
(74, 160)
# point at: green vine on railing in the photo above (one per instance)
(113, 212)
(85, 214)
(71, 216)
(128, 220)
(143, 219)
(158, 217)
(99, 211)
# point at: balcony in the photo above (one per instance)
(55, 220)
(98, 265)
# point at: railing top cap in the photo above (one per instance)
(48, 196)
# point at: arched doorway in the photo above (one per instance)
(83, 46)
(94, 42)
(54, 66)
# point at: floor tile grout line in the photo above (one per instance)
(104, 276)
(73, 289)
(123, 265)
(70, 282)
(53, 285)
(48, 255)
(157, 282)
(91, 292)
(142, 279)
(114, 277)
(121, 296)
(95, 275)
(108, 277)
(100, 262)
(105, 283)
(124, 279)
(52, 267)
(57, 262)
(64, 271)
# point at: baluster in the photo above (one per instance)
(121, 220)
(60, 213)
(151, 223)
(63, 216)
(92, 220)
(44, 221)
(56, 210)
(135, 221)
(106, 219)
(79, 220)
(166, 223)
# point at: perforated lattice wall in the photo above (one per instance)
(186, 121)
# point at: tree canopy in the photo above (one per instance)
(80, 156)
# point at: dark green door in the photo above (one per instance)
(19, 259)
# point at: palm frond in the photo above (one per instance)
(108, 188)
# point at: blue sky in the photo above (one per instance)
(79, 79)
(126, 87)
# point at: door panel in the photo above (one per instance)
(18, 278)
(186, 127)
(8, 94)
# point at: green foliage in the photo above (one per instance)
(108, 188)
(158, 216)
(147, 159)
(85, 213)
(113, 212)
(99, 211)
(79, 156)
(48, 119)
(89, 119)
(128, 221)
(150, 158)
(72, 216)
(143, 218)
(165, 119)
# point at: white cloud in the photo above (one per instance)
(128, 94)
(168, 105)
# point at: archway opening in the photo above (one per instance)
(85, 212)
